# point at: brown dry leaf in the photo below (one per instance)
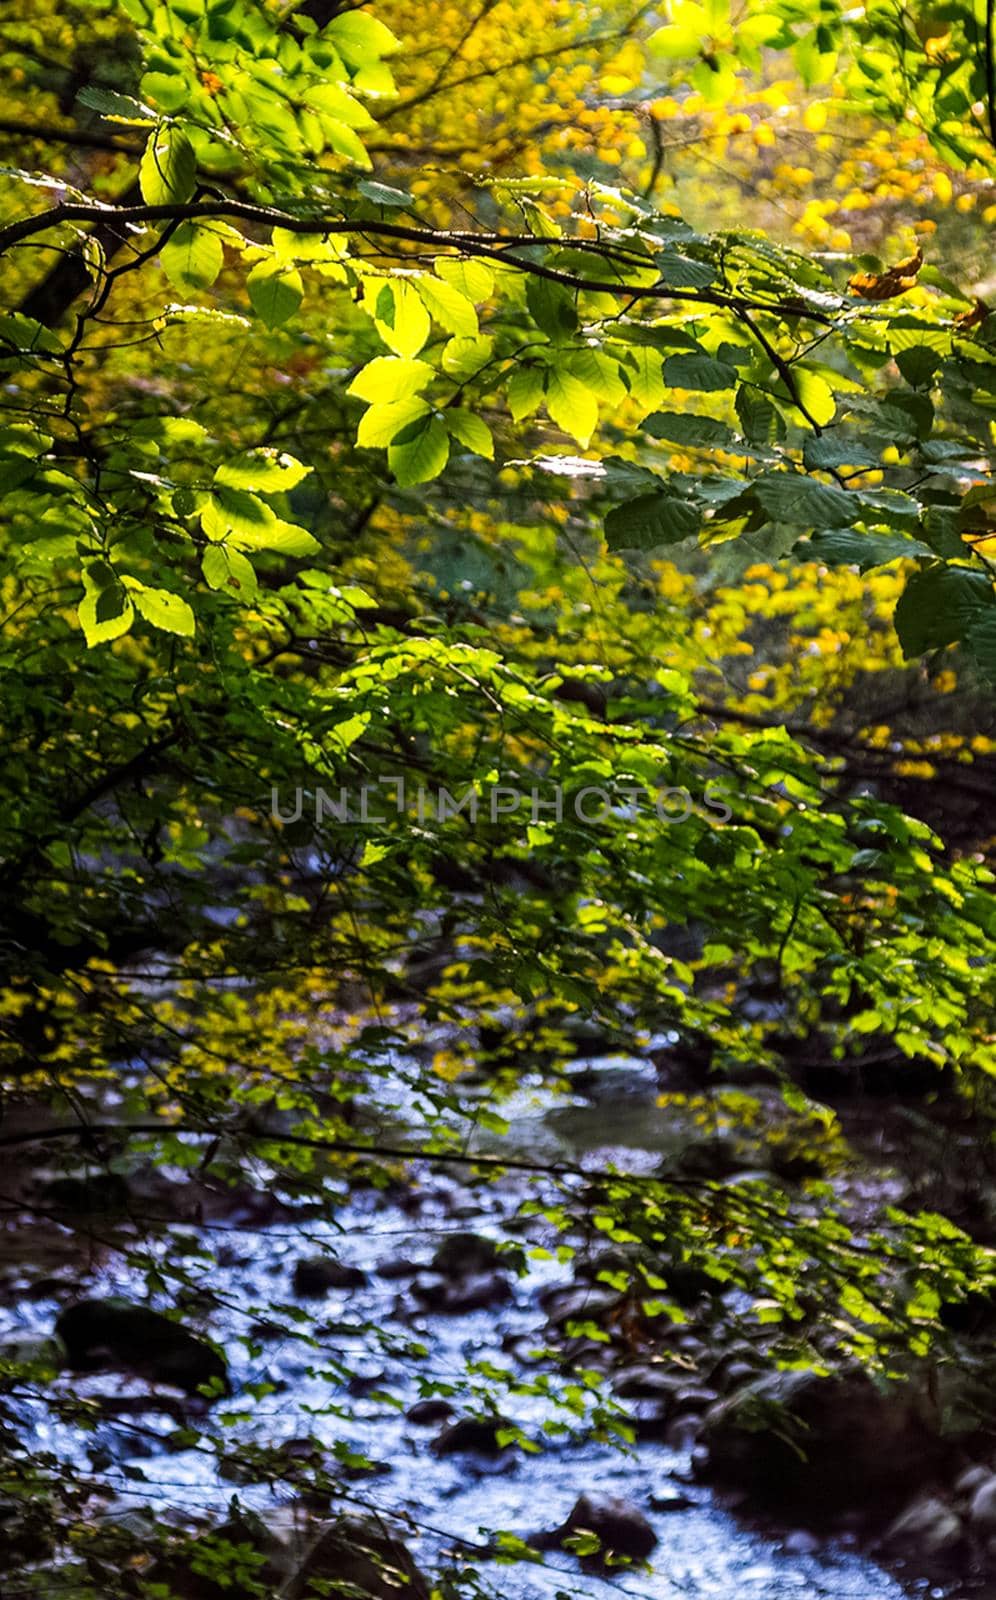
(887, 285)
(973, 318)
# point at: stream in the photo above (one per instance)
(378, 1370)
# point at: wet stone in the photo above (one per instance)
(318, 1275)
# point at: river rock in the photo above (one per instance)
(982, 1508)
(317, 1275)
(800, 1542)
(650, 1381)
(620, 1527)
(426, 1413)
(716, 1156)
(358, 1556)
(671, 1499)
(856, 1441)
(101, 1334)
(397, 1267)
(463, 1253)
(927, 1527)
(478, 1435)
(475, 1292)
(579, 1303)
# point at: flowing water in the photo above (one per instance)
(703, 1553)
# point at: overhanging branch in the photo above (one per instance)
(489, 246)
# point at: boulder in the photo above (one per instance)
(111, 1334)
(357, 1555)
(795, 1438)
(620, 1527)
(317, 1275)
(928, 1527)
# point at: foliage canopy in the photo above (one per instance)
(373, 420)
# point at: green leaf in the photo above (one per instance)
(390, 378)
(823, 451)
(214, 565)
(116, 107)
(193, 257)
(383, 194)
(682, 272)
(105, 611)
(674, 43)
(792, 497)
(702, 433)
(24, 333)
(462, 358)
(815, 395)
(228, 569)
(758, 416)
(918, 365)
(551, 306)
(599, 373)
(267, 470)
(235, 511)
(645, 369)
(846, 547)
(525, 392)
(447, 306)
(698, 371)
(334, 101)
(162, 608)
(274, 292)
(471, 431)
(283, 538)
(399, 315)
(361, 38)
(381, 424)
(939, 605)
(980, 641)
(474, 279)
(572, 406)
(651, 520)
(168, 169)
(421, 457)
(345, 141)
(167, 90)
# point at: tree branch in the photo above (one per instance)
(84, 138)
(490, 246)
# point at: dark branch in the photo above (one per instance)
(490, 246)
